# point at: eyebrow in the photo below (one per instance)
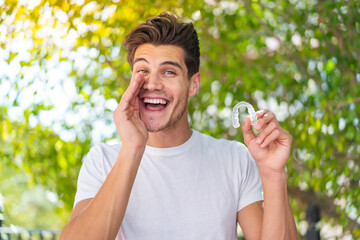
(163, 63)
(139, 60)
(172, 63)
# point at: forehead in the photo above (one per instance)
(158, 54)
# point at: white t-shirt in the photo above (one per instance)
(192, 191)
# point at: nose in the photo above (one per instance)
(153, 82)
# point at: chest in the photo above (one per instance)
(196, 196)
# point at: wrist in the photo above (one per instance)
(271, 173)
(273, 179)
(131, 147)
(131, 154)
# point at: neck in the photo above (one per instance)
(171, 136)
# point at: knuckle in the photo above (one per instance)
(277, 132)
(290, 137)
(273, 125)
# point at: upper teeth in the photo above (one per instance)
(154, 100)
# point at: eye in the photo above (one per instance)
(170, 72)
(142, 70)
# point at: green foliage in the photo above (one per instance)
(28, 201)
(297, 58)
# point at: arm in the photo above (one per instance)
(101, 217)
(278, 219)
(270, 150)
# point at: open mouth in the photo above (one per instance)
(155, 104)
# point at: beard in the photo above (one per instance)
(172, 122)
(178, 112)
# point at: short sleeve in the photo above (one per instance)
(91, 175)
(250, 184)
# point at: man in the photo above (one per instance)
(167, 181)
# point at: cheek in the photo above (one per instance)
(178, 89)
(183, 91)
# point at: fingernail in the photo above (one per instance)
(258, 140)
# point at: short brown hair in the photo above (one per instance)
(165, 29)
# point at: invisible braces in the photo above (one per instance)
(235, 114)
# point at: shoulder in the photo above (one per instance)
(105, 149)
(102, 152)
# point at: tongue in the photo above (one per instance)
(155, 107)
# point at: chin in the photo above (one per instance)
(157, 124)
(151, 126)
(153, 129)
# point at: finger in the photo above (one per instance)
(131, 94)
(274, 135)
(139, 80)
(264, 118)
(247, 131)
(260, 113)
(266, 132)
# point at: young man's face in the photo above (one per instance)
(163, 97)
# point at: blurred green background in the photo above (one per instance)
(63, 70)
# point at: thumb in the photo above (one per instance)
(247, 131)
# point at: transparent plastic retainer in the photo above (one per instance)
(251, 111)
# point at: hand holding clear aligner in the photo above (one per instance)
(235, 115)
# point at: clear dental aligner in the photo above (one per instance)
(235, 115)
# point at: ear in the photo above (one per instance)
(194, 84)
